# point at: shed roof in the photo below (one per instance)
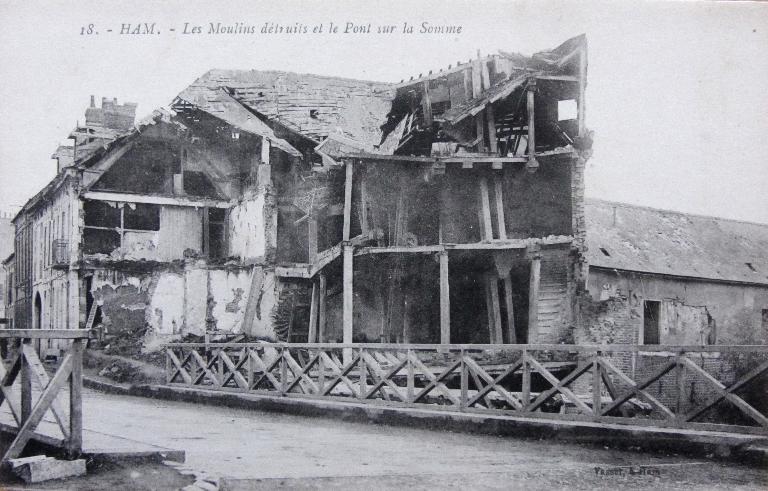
(637, 238)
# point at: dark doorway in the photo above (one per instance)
(651, 310)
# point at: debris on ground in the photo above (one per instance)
(41, 468)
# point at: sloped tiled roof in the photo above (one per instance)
(312, 105)
(637, 238)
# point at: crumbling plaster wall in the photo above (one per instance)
(246, 228)
(171, 302)
(736, 310)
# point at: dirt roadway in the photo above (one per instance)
(259, 450)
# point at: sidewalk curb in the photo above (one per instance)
(748, 449)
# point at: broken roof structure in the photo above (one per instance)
(649, 240)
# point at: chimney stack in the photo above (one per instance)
(93, 100)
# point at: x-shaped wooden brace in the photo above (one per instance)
(493, 384)
(727, 393)
(341, 373)
(265, 370)
(560, 386)
(382, 378)
(234, 369)
(435, 382)
(301, 376)
(638, 389)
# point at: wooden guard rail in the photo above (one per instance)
(26, 365)
(513, 380)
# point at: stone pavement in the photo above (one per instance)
(245, 449)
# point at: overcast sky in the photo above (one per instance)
(677, 90)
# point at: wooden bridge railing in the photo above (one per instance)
(669, 386)
(26, 365)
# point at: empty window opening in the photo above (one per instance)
(214, 233)
(651, 311)
(765, 319)
(567, 109)
(313, 113)
(106, 224)
(141, 217)
(605, 252)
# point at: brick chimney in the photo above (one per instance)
(111, 115)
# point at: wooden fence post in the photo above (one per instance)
(26, 385)
(75, 443)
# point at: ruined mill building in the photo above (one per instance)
(444, 209)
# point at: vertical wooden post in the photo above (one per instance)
(321, 309)
(311, 239)
(596, 378)
(485, 206)
(464, 381)
(531, 93)
(283, 371)
(533, 299)
(348, 303)
(489, 309)
(363, 377)
(363, 203)
(526, 396)
(411, 378)
(498, 191)
(75, 443)
(508, 301)
(26, 385)
(680, 382)
(493, 288)
(480, 131)
(445, 301)
(250, 354)
(491, 122)
(312, 333)
(348, 199)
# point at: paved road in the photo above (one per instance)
(250, 449)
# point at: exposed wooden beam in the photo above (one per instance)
(531, 93)
(313, 308)
(155, 200)
(322, 284)
(395, 249)
(533, 299)
(445, 301)
(561, 78)
(45, 333)
(508, 299)
(480, 131)
(493, 288)
(363, 203)
(485, 209)
(312, 239)
(498, 191)
(348, 300)
(348, 199)
(490, 120)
